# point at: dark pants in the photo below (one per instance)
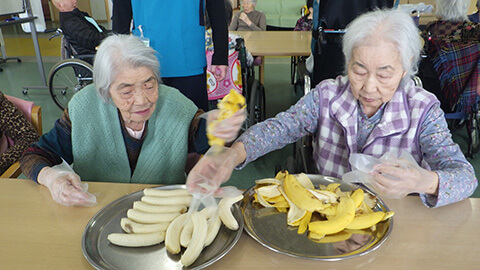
(193, 87)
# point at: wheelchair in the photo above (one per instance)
(70, 75)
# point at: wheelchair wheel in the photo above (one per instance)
(67, 78)
(256, 105)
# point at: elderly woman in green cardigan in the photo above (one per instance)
(126, 127)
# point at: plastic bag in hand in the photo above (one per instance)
(213, 169)
(408, 181)
(65, 186)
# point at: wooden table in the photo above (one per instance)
(276, 43)
(37, 233)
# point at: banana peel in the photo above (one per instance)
(339, 213)
(301, 196)
(344, 216)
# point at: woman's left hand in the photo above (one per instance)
(398, 179)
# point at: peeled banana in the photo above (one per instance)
(172, 235)
(200, 229)
(225, 212)
(130, 226)
(136, 240)
(175, 200)
(149, 218)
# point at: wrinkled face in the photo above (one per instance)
(247, 5)
(375, 71)
(135, 92)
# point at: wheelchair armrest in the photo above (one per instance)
(84, 56)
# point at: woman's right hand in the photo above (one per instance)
(65, 187)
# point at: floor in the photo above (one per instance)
(279, 93)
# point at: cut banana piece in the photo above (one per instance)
(175, 200)
(149, 218)
(136, 240)
(146, 207)
(224, 208)
(165, 192)
(130, 226)
(172, 236)
(200, 229)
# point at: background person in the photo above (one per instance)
(126, 127)
(248, 19)
(179, 39)
(451, 25)
(15, 126)
(305, 22)
(376, 108)
(81, 30)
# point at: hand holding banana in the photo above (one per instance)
(223, 124)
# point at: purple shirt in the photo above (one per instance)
(457, 179)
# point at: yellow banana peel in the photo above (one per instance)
(364, 221)
(344, 216)
(301, 196)
(339, 213)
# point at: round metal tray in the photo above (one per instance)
(269, 227)
(101, 254)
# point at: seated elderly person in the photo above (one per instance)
(15, 126)
(451, 39)
(126, 127)
(248, 19)
(374, 109)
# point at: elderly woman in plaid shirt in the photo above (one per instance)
(373, 109)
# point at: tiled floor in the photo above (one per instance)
(279, 94)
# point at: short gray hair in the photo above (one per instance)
(117, 52)
(392, 25)
(452, 10)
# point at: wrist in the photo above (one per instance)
(40, 176)
(433, 186)
(241, 154)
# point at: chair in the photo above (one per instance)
(457, 68)
(34, 114)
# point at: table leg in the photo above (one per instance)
(261, 71)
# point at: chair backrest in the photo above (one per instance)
(34, 114)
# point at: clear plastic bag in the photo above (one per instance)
(363, 164)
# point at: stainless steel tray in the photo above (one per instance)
(101, 254)
(269, 228)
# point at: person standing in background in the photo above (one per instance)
(176, 30)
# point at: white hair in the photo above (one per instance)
(452, 10)
(392, 25)
(117, 52)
